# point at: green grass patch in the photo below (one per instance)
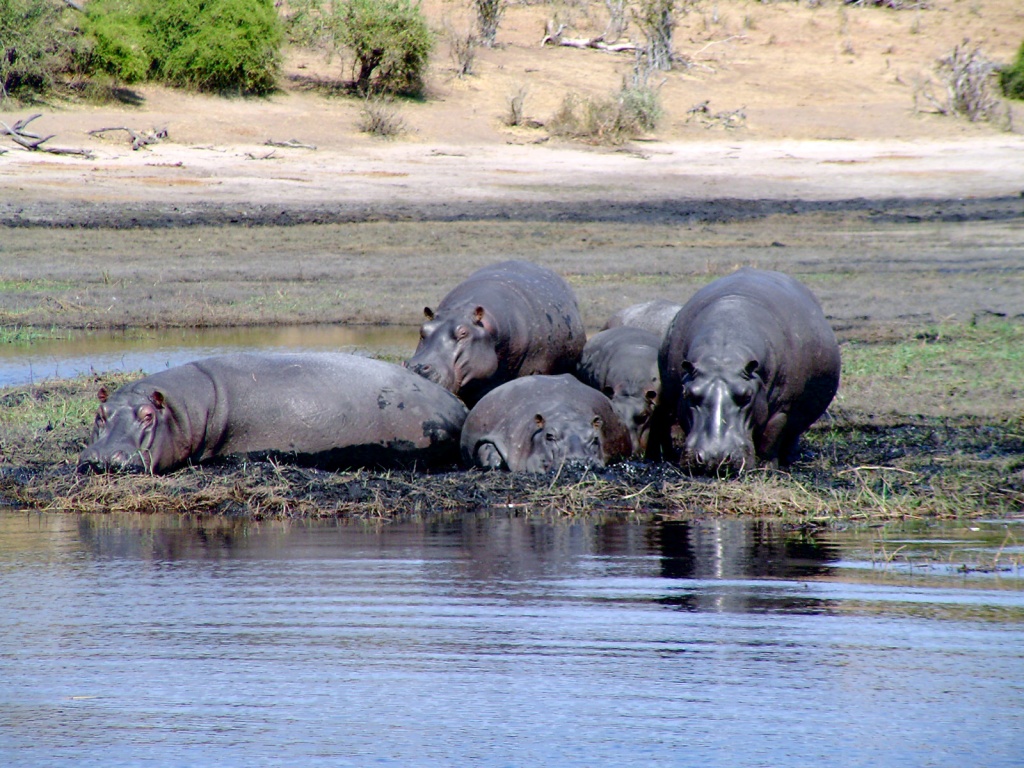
(26, 286)
(25, 335)
(975, 368)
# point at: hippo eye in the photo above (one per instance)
(461, 332)
(551, 437)
(650, 395)
(608, 392)
(687, 368)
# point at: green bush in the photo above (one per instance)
(37, 44)
(210, 45)
(1011, 78)
(389, 39)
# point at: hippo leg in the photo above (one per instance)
(489, 457)
(776, 445)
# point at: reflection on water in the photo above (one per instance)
(150, 351)
(500, 640)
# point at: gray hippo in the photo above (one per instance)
(749, 363)
(504, 321)
(536, 423)
(327, 409)
(622, 363)
(654, 316)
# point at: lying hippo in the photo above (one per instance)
(504, 321)
(654, 316)
(622, 363)
(749, 363)
(328, 410)
(536, 423)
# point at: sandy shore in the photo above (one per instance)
(380, 179)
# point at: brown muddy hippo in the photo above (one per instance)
(622, 363)
(330, 410)
(536, 423)
(504, 321)
(654, 316)
(749, 363)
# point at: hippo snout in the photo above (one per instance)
(118, 461)
(711, 461)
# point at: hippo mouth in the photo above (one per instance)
(134, 464)
(729, 465)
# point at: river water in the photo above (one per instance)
(500, 640)
(153, 350)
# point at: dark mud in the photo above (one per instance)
(850, 467)
(80, 214)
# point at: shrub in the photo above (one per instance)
(1011, 78)
(614, 120)
(210, 45)
(380, 118)
(37, 44)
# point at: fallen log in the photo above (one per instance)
(139, 140)
(34, 142)
(554, 36)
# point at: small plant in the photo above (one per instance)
(516, 107)
(1011, 78)
(657, 20)
(488, 17)
(379, 117)
(967, 78)
(462, 48)
(634, 110)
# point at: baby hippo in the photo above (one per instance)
(622, 363)
(537, 423)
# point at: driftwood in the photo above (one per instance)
(290, 144)
(553, 36)
(33, 141)
(139, 140)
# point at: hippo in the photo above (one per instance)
(330, 410)
(654, 316)
(504, 321)
(536, 423)
(748, 364)
(622, 363)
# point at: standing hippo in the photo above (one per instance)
(749, 363)
(622, 363)
(504, 321)
(325, 409)
(536, 423)
(654, 316)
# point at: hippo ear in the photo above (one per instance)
(428, 313)
(482, 318)
(539, 421)
(597, 423)
(751, 369)
(103, 394)
(157, 399)
(687, 368)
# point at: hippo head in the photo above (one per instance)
(459, 353)
(634, 399)
(128, 435)
(556, 440)
(720, 405)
